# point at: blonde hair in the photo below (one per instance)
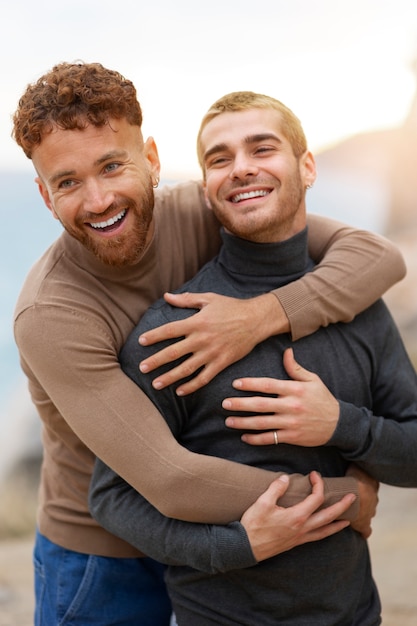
(243, 100)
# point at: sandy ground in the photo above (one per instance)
(393, 548)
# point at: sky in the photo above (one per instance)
(343, 66)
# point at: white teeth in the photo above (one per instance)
(109, 222)
(249, 194)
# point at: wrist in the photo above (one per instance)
(271, 316)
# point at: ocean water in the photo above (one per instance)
(28, 229)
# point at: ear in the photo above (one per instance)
(45, 195)
(151, 154)
(308, 169)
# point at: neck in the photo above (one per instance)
(287, 258)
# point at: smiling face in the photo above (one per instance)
(253, 181)
(98, 183)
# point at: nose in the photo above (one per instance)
(97, 196)
(243, 166)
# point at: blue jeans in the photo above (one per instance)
(74, 589)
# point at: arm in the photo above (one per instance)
(355, 268)
(77, 384)
(381, 441)
(347, 280)
(266, 529)
(79, 387)
(368, 498)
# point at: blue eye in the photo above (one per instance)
(66, 184)
(111, 167)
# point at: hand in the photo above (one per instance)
(303, 412)
(223, 331)
(368, 500)
(272, 529)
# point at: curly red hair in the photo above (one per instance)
(71, 96)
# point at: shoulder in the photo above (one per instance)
(373, 328)
(181, 195)
(185, 227)
(60, 289)
(38, 274)
(184, 200)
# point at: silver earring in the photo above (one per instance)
(156, 183)
(309, 186)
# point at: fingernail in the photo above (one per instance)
(237, 383)
(156, 384)
(144, 368)
(226, 404)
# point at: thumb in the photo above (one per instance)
(277, 488)
(294, 369)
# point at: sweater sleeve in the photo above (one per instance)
(355, 267)
(381, 437)
(125, 513)
(213, 549)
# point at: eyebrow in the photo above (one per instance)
(113, 154)
(59, 175)
(250, 139)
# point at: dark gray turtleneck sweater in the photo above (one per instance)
(365, 365)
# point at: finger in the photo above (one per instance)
(184, 370)
(252, 404)
(326, 515)
(366, 532)
(187, 300)
(202, 378)
(271, 386)
(163, 357)
(333, 512)
(270, 438)
(255, 422)
(317, 484)
(294, 369)
(275, 491)
(195, 367)
(172, 330)
(326, 531)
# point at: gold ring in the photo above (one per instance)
(276, 437)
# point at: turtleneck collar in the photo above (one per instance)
(286, 260)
